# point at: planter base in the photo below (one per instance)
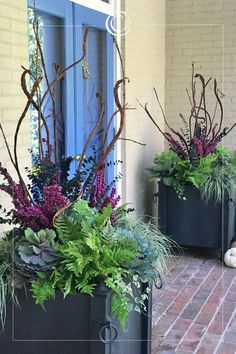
(77, 325)
(191, 222)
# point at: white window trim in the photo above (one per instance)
(118, 71)
(98, 5)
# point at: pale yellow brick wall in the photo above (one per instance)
(13, 54)
(202, 31)
(145, 66)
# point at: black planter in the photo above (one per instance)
(192, 222)
(79, 324)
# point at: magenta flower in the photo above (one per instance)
(175, 144)
(26, 212)
(197, 146)
(43, 213)
(100, 196)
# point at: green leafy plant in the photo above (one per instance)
(151, 244)
(169, 168)
(213, 175)
(91, 247)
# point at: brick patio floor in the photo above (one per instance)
(195, 311)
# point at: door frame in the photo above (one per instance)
(76, 15)
(98, 5)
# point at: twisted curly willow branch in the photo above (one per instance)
(121, 107)
(199, 116)
(30, 101)
(120, 103)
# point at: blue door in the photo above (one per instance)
(97, 75)
(81, 107)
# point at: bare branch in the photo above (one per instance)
(151, 117)
(99, 120)
(108, 128)
(220, 105)
(203, 99)
(133, 141)
(34, 89)
(62, 73)
(35, 105)
(218, 133)
(7, 146)
(162, 110)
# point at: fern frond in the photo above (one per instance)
(68, 286)
(103, 216)
(68, 227)
(125, 252)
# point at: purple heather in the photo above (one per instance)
(99, 196)
(25, 212)
(176, 145)
(198, 146)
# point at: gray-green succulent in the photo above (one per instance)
(36, 252)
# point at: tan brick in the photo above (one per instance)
(5, 101)
(6, 49)
(143, 78)
(13, 41)
(213, 52)
(5, 23)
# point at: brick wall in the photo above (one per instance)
(145, 66)
(13, 54)
(202, 31)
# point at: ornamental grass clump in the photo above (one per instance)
(195, 155)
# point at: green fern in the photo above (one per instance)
(68, 227)
(213, 175)
(100, 248)
(42, 291)
(125, 256)
(163, 164)
(68, 286)
(103, 217)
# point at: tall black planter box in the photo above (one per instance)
(192, 222)
(79, 324)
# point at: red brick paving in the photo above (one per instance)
(195, 311)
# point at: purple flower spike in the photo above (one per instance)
(99, 194)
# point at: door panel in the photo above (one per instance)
(81, 108)
(94, 80)
(59, 13)
(100, 59)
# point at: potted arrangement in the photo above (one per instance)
(71, 248)
(197, 176)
